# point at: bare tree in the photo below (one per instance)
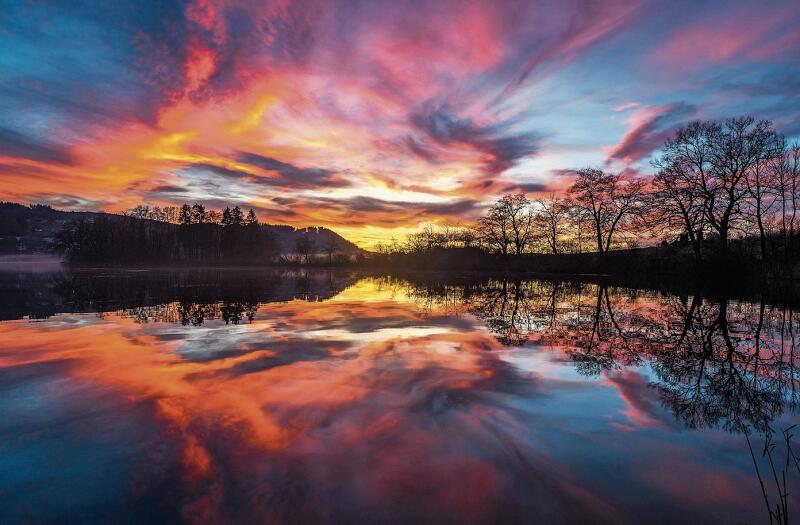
(609, 200)
(763, 197)
(185, 215)
(467, 236)
(214, 217)
(578, 221)
(432, 238)
(521, 216)
(551, 216)
(139, 211)
(717, 158)
(415, 243)
(785, 168)
(495, 229)
(509, 223)
(678, 204)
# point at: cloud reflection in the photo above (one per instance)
(388, 401)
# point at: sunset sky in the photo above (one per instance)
(371, 117)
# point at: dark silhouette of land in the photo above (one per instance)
(202, 293)
(722, 207)
(187, 235)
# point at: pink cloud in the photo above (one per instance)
(642, 402)
(648, 128)
(744, 35)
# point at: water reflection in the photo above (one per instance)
(326, 397)
(723, 362)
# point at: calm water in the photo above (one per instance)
(231, 396)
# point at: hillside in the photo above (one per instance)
(35, 229)
(287, 237)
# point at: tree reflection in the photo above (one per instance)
(716, 363)
(726, 366)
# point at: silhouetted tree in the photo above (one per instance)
(171, 214)
(716, 159)
(508, 223)
(609, 200)
(785, 166)
(139, 212)
(199, 214)
(236, 216)
(678, 204)
(214, 217)
(185, 216)
(131, 239)
(550, 219)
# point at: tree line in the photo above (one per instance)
(716, 182)
(194, 214)
(185, 234)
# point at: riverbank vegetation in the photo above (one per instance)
(723, 201)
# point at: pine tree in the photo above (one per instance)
(236, 216)
(251, 220)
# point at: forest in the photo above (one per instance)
(132, 239)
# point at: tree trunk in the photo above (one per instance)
(761, 234)
(698, 254)
(599, 237)
(723, 242)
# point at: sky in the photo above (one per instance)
(369, 117)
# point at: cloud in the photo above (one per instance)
(563, 172)
(494, 186)
(529, 187)
(571, 33)
(73, 202)
(265, 103)
(169, 188)
(502, 148)
(15, 144)
(356, 211)
(291, 174)
(649, 128)
(643, 405)
(735, 34)
(418, 148)
(367, 205)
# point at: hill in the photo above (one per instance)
(33, 229)
(36, 228)
(319, 237)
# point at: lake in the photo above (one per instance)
(218, 396)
